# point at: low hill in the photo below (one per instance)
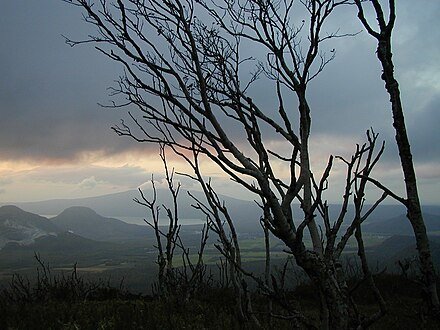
(23, 227)
(64, 244)
(115, 205)
(246, 214)
(63, 250)
(400, 225)
(87, 223)
(402, 247)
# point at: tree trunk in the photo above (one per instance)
(414, 212)
(335, 297)
(305, 125)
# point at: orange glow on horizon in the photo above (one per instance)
(17, 166)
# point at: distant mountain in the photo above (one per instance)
(401, 247)
(400, 225)
(410, 251)
(87, 223)
(115, 205)
(393, 245)
(245, 213)
(23, 227)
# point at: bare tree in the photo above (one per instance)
(173, 280)
(184, 71)
(412, 201)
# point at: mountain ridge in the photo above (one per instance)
(400, 225)
(17, 225)
(246, 213)
(87, 223)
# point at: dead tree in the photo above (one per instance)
(221, 223)
(183, 69)
(173, 280)
(412, 201)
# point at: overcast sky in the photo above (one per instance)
(56, 142)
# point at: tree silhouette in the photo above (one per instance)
(412, 201)
(186, 72)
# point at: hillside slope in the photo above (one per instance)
(87, 223)
(400, 225)
(23, 227)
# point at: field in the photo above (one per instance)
(110, 285)
(134, 262)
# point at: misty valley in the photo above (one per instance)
(106, 247)
(118, 254)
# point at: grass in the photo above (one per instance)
(62, 298)
(135, 261)
(68, 301)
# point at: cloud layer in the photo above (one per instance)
(49, 94)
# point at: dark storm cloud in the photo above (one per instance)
(49, 91)
(424, 132)
(349, 95)
(418, 42)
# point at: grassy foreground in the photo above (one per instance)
(69, 302)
